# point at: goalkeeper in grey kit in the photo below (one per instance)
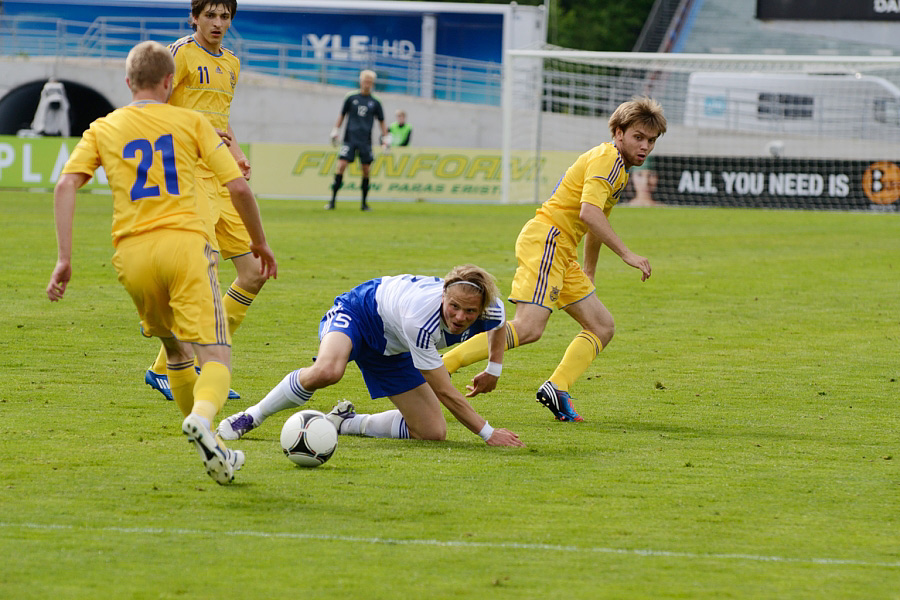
(361, 109)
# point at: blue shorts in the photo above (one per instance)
(355, 314)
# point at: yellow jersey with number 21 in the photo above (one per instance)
(150, 153)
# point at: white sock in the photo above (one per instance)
(287, 394)
(389, 424)
(355, 425)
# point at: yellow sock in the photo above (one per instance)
(182, 378)
(578, 357)
(211, 390)
(159, 365)
(236, 302)
(475, 349)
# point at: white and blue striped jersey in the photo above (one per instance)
(410, 309)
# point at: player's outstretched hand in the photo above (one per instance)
(505, 437)
(482, 384)
(56, 289)
(638, 262)
(267, 265)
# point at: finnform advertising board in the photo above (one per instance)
(474, 175)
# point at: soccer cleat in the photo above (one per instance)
(220, 462)
(236, 458)
(558, 401)
(232, 395)
(340, 413)
(160, 383)
(235, 426)
(329, 206)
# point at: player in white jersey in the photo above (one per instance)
(393, 328)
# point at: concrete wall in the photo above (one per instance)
(272, 109)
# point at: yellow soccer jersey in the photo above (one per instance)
(204, 82)
(597, 177)
(150, 152)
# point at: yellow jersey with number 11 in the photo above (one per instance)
(204, 82)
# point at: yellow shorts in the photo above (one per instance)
(171, 277)
(548, 273)
(224, 225)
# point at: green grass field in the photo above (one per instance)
(740, 438)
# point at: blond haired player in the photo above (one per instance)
(549, 277)
(393, 328)
(163, 257)
(361, 108)
(206, 74)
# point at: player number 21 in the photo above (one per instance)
(165, 145)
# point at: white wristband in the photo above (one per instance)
(486, 432)
(494, 369)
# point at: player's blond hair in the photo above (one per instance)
(475, 277)
(147, 64)
(640, 110)
(368, 73)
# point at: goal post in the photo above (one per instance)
(743, 130)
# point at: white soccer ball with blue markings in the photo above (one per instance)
(308, 438)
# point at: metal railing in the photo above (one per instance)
(403, 72)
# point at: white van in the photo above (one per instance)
(855, 106)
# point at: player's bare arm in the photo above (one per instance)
(486, 382)
(239, 157)
(246, 207)
(592, 245)
(599, 225)
(64, 213)
(439, 381)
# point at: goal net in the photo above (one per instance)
(743, 130)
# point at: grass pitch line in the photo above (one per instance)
(455, 544)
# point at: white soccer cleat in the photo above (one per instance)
(220, 463)
(235, 426)
(340, 413)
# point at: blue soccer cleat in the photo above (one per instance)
(160, 383)
(559, 403)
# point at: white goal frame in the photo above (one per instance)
(540, 114)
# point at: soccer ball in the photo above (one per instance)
(308, 438)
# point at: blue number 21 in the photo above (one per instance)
(165, 145)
